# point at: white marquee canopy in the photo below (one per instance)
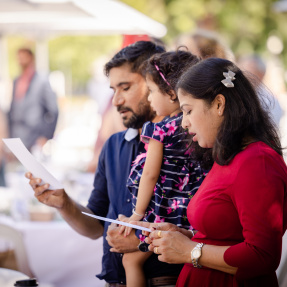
(44, 19)
(61, 17)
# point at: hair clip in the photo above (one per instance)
(229, 77)
(161, 74)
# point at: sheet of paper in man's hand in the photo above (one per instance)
(30, 163)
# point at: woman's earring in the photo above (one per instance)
(171, 101)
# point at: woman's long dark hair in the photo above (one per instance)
(244, 116)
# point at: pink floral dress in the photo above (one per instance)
(179, 176)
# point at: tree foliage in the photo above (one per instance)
(244, 24)
(75, 55)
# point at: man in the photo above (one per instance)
(34, 111)
(3, 134)
(110, 196)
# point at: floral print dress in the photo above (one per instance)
(179, 176)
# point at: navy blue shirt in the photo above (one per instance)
(111, 197)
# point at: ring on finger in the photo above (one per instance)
(156, 250)
(159, 234)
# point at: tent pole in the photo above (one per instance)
(42, 56)
(4, 74)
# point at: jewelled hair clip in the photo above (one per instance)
(161, 74)
(229, 77)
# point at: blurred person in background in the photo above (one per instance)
(205, 44)
(34, 110)
(255, 67)
(3, 134)
(98, 89)
(111, 123)
(110, 196)
(208, 44)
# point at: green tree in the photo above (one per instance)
(74, 55)
(244, 24)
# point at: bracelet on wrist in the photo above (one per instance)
(134, 212)
(192, 232)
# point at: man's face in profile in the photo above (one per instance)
(130, 96)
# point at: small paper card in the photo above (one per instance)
(30, 163)
(117, 222)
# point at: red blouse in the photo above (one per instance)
(242, 205)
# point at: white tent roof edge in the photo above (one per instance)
(46, 18)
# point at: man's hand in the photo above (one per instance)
(70, 210)
(54, 198)
(119, 242)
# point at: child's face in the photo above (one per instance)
(159, 101)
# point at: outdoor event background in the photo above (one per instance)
(76, 74)
(245, 26)
(77, 61)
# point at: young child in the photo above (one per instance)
(163, 179)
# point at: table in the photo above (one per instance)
(9, 277)
(59, 256)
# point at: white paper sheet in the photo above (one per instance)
(30, 163)
(117, 222)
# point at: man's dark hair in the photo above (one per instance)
(244, 115)
(134, 54)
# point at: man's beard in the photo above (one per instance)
(145, 113)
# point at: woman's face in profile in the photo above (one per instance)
(201, 120)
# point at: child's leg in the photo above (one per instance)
(133, 263)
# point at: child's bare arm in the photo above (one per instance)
(148, 180)
(150, 175)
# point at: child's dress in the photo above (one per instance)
(179, 177)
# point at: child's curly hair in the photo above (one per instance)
(171, 65)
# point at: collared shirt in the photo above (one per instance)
(111, 197)
(23, 82)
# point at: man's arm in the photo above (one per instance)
(68, 208)
(72, 214)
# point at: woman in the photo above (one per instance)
(240, 210)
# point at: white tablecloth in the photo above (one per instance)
(60, 256)
(9, 277)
